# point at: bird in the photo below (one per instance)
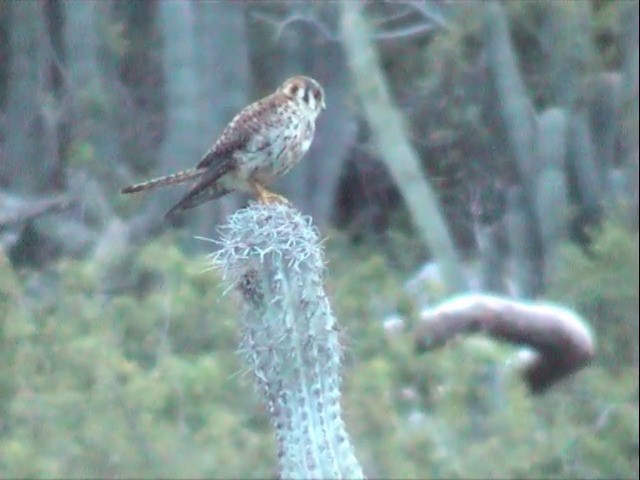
(262, 142)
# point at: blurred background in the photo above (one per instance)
(466, 146)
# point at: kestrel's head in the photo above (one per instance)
(306, 91)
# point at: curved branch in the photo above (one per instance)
(562, 340)
(282, 24)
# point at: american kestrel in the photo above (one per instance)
(265, 140)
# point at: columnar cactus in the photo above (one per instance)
(603, 93)
(552, 194)
(289, 336)
(518, 119)
(526, 257)
(572, 51)
(582, 165)
(516, 109)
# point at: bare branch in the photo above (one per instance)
(429, 19)
(429, 22)
(427, 12)
(15, 209)
(396, 16)
(281, 25)
(562, 340)
(408, 31)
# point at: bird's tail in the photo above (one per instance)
(174, 179)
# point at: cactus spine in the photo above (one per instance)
(289, 337)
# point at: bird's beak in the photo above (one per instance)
(323, 105)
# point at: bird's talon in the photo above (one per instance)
(270, 198)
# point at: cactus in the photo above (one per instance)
(629, 46)
(525, 256)
(550, 184)
(515, 107)
(571, 49)
(604, 98)
(518, 120)
(488, 209)
(583, 168)
(289, 336)
(491, 246)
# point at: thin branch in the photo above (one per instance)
(281, 25)
(421, 7)
(408, 31)
(397, 16)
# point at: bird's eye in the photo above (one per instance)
(294, 89)
(316, 94)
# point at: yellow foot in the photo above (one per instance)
(265, 196)
(270, 197)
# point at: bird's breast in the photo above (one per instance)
(280, 152)
(297, 146)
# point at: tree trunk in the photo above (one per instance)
(182, 146)
(394, 147)
(23, 169)
(93, 99)
(631, 143)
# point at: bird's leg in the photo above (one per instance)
(266, 196)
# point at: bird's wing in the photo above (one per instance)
(231, 140)
(248, 131)
(206, 188)
(214, 164)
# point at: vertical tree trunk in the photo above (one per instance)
(182, 146)
(93, 91)
(93, 96)
(394, 147)
(23, 168)
(631, 143)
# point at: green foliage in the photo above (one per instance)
(462, 411)
(135, 383)
(602, 285)
(143, 380)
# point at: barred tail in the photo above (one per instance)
(175, 179)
